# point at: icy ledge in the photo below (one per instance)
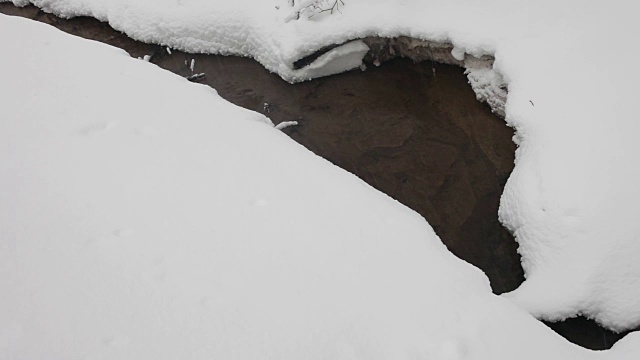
(337, 60)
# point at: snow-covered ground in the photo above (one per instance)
(128, 234)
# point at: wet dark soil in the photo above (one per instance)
(413, 131)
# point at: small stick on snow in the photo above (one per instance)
(286, 124)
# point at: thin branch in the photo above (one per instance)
(335, 6)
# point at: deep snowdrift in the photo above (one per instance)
(125, 234)
(572, 198)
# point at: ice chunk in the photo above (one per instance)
(343, 58)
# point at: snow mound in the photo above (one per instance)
(142, 216)
(572, 199)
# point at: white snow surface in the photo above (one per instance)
(144, 217)
(572, 198)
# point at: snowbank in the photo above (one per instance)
(170, 224)
(572, 198)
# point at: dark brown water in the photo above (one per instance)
(413, 131)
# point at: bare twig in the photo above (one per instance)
(335, 6)
(315, 7)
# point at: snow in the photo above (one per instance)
(286, 124)
(170, 224)
(458, 53)
(571, 201)
(345, 57)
